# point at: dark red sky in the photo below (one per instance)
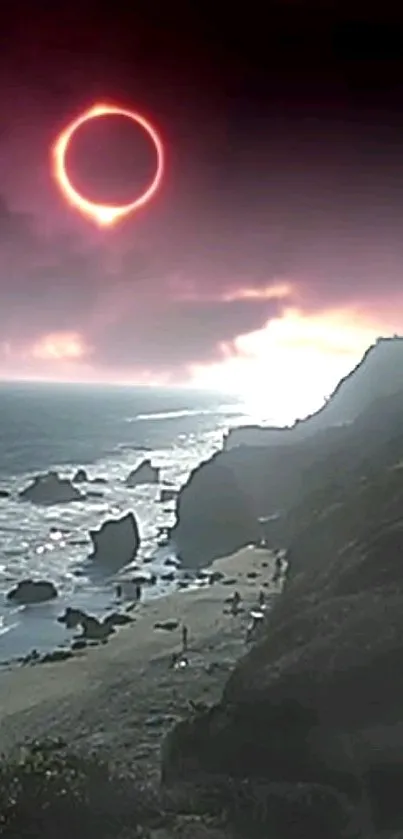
(284, 166)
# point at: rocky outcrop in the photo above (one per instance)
(145, 473)
(28, 592)
(319, 698)
(51, 489)
(167, 495)
(214, 516)
(71, 617)
(116, 543)
(273, 479)
(80, 477)
(93, 629)
(380, 373)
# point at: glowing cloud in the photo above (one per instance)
(59, 346)
(288, 369)
(103, 214)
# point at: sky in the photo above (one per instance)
(272, 254)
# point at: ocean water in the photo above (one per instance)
(108, 431)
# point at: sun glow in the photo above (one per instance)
(288, 369)
(59, 346)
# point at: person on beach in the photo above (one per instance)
(278, 569)
(236, 600)
(262, 600)
(137, 593)
(185, 636)
(119, 592)
(178, 661)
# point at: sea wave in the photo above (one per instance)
(202, 412)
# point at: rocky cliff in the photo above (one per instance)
(319, 700)
(380, 372)
(266, 480)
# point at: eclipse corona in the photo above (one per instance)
(104, 214)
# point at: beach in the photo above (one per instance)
(121, 698)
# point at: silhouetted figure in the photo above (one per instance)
(185, 636)
(254, 627)
(262, 599)
(235, 603)
(178, 661)
(137, 593)
(174, 661)
(119, 591)
(277, 569)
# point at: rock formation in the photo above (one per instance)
(116, 543)
(92, 628)
(80, 477)
(28, 592)
(51, 489)
(167, 495)
(71, 618)
(272, 479)
(145, 473)
(214, 516)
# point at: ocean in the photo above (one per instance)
(108, 431)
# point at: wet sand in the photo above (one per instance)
(120, 698)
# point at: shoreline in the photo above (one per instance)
(74, 522)
(101, 696)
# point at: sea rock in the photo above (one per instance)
(95, 630)
(28, 592)
(72, 617)
(92, 628)
(168, 625)
(80, 477)
(51, 489)
(116, 543)
(145, 473)
(167, 495)
(117, 619)
(214, 516)
(56, 656)
(216, 577)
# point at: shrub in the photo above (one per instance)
(47, 791)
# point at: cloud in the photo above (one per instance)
(176, 286)
(59, 346)
(173, 334)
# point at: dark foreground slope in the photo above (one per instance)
(320, 698)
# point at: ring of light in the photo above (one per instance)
(104, 214)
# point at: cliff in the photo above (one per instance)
(379, 372)
(319, 699)
(266, 480)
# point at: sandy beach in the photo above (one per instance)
(119, 699)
